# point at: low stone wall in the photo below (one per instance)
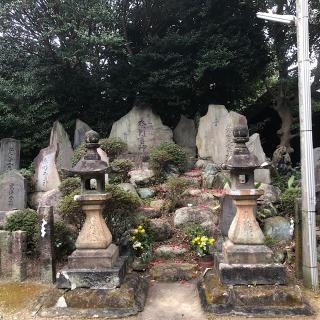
(13, 255)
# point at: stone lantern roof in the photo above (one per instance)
(91, 163)
(241, 158)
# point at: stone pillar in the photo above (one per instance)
(19, 249)
(47, 260)
(5, 253)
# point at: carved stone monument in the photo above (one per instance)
(9, 154)
(46, 175)
(95, 263)
(13, 193)
(214, 138)
(141, 129)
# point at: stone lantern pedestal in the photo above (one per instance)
(96, 262)
(245, 258)
(94, 247)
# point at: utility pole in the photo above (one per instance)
(309, 249)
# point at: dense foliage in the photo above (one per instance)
(26, 220)
(166, 155)
(94, 59)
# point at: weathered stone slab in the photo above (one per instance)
(185, 135)
(170, 271)
(248, 274)
(104, 278)
(47, 261)
(141, 129)
(60, 139)
(79, 303)
(79, 133)
(5, 253)
(9, 154)
(19, 255)
(264, 301)
(13, 193)
(255, 147)
(215, 139)
(46, 175)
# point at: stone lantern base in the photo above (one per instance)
(95, 263)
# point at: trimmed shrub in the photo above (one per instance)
(69, 185)
(70, 210)
(78, 153)
(28, 174)
(26, 220)
(120, 209)
(165, 155)
(175, 187)
(119, 169)
(64, 240)
(287, 200)
(113, 147)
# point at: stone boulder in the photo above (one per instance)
(185, 135)
(215, 133)
(166, 251)
(271, 193)
(129, 188)
(148, 213)
(204, 216)
(255, 147)
(141, 177)
(79, 133)
(158, 204)
(278, 228)
(141, 129)
(145, 193)
(160, 229)
(60, 139)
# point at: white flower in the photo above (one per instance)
(137, 245)
(189, 204)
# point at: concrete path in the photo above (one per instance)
(172, 301)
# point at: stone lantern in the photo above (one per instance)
(246, 259)
(95, 263)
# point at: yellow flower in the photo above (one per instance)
(133, 237)
(136, 231)
(140, 227)
(142, 231)
(211, 241)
